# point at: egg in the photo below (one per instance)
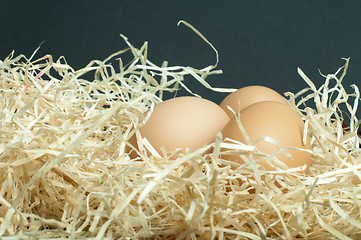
(276, 120)
(183, 122)
(249, 95)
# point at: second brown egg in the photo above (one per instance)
(249, 95)
(274, 120)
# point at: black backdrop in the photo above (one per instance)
(259, 42)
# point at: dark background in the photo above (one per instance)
(259, 42)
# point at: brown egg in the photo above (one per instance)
(183, 122)
(275, 120)
(249, 95)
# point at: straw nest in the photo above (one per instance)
(65, 171)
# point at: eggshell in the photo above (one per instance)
(275, 120)
(184, 122)
(249, 95)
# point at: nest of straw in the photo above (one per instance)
(65, 171)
